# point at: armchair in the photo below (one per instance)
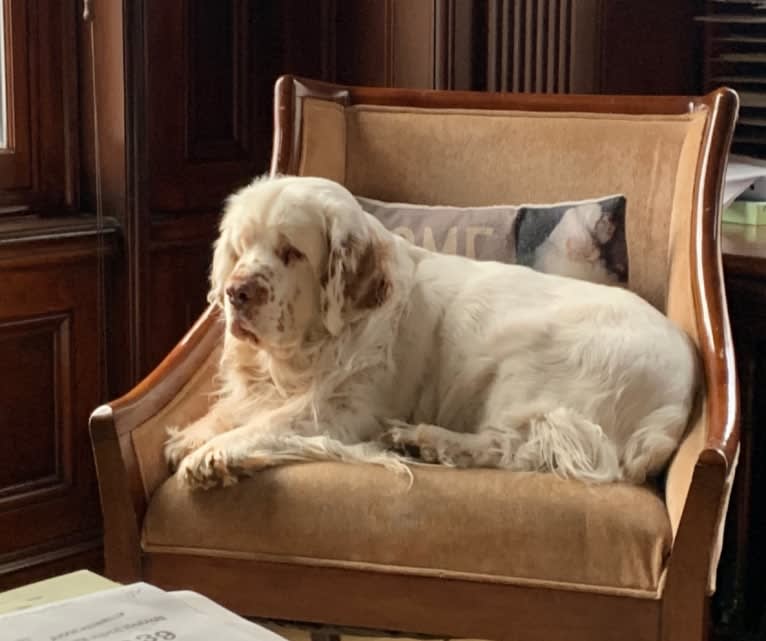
(465, 553)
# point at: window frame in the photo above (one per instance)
(38, 168)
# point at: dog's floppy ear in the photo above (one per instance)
(224, 256)
(224, 260)
(356, 279)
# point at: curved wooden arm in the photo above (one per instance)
(694, 549)
(713, 327)
(164, 382)
(123, 495)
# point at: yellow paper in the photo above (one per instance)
(58, 588)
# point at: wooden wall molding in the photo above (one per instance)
(49, 335)
(197, 101)
(444, 44)
(55, 557)
(217, 80)
(38, 457)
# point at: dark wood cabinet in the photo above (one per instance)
(739, 603)
(51, 348)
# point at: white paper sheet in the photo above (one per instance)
(745, 179)
(138, 612)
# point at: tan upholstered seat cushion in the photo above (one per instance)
(515, 527)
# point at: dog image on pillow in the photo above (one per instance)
(346, 342)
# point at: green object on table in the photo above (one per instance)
(743, 212)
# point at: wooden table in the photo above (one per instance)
(739, 603)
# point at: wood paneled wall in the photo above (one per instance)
(202, 123)
(202, 99)
(50, 349)
(550, 46)
(575, 46)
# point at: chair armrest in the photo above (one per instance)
(127, 436)
(700, 479)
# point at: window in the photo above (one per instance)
(38, 106)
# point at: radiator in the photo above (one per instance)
(549, 46)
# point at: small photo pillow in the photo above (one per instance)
(583, 239)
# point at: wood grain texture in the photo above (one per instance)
(626, 104)
(39, 170)
(550, 46)
(198, 102)
(398, 43)
(49, 342)
(218, 79)
(650, 47)
(37, 434)
(709, 293)
(396, 602)
(738, 602)
(177, 291)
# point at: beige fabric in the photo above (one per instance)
(420, 155)
(414, 155)
(511, 526)
(323, 140)
(189, 404)
(680, 308)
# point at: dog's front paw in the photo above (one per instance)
(181, 443)
(407, 439)
(205, 468)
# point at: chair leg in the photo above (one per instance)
(324, 636)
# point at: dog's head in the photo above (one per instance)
(296, 255)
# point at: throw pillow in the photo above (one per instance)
(582, 239)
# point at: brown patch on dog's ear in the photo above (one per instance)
(369, 286)
(355, 279)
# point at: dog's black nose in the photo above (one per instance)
(244, 293)
(238, 295)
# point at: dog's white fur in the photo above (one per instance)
(349, 343)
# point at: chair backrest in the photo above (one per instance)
(512, 151)
(666, 154)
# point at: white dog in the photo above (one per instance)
(346, 342)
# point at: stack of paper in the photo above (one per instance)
(745, 180)
(138, 612)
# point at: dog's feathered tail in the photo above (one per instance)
(570, 446)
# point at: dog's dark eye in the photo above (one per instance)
(288, 254)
